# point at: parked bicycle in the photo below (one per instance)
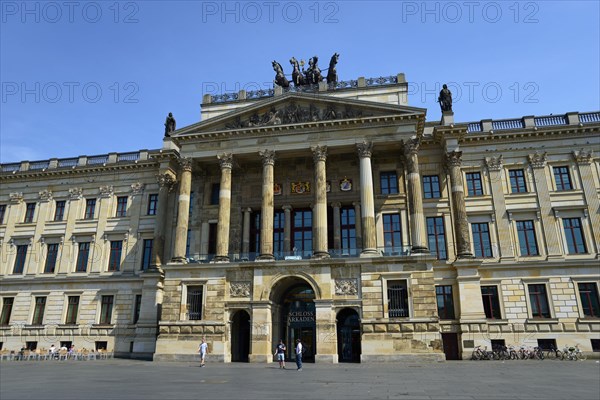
(573, 353)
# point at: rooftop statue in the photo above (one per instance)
(280, 78)
(332, 76)
(445, 99)
(297, 76)
(169, 125)
(313, 73)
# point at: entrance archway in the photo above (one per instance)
(240, 336)
(294, 316)
(348, 336)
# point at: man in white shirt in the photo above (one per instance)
(203, 349)
(299, 354)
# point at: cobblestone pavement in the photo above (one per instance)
(128, 379)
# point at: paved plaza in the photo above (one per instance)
(128, 379)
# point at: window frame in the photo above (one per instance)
(52, 250)
(121, 207)
(60, 207)
(435, 236)
(581, 302)
(105, 315)
(152, 208)
(447, 300)
(537, 249)
(390, 178)
(147, 253)
(89, 211)
(2, 213)
(472, 178)
(29, 217)
(39, 309)
(429, 191)
(388, 282)
(394, 247)
(115, 256)
(559, 173)
(348, 230)
(518, 183)
(480, 235)
(6, 315)
(498, 299)
(20, 259)
(547, 298)
(137, 308)
(72, 310)
(79, 262)
(184, 314)
(570, 238)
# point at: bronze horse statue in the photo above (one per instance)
(313, 73)
(332, 76)
(280, 78)
(297, 76)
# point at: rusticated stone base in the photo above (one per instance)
(403, 357)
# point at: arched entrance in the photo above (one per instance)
(348, 335)
(294, 316)
(240, 336)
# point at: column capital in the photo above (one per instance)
(356, 203)
(411, 146)
(319, 153)
(336, 204)
(268, 156)
(453, 159)
(538, 160)
(225, 160)
(365, 149)
(494, 163)
(287, 207)
(583, 156)
(246, 209)
(165, 181)
(185, 164)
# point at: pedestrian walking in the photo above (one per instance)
(299, 354)
(203, 349)
(280, 354)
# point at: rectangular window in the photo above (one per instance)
(481, 240)
(191, 210)
(20, 259)
(445, 302)
(517, 181)
(147, 254)
(114, 262)
(431, 187)
(38, 311)
(474, 187)
(302, 233)
(7, 305)
(255, 219)
(2, 213)
(588, 293)
(436, 237)
(152, 204)
(188, 242)
(29, 212)
(59, 212)
(137, 308)
(83, 254)
(106, 310)
(392, 234)
(562, 178)
(539, 301)
(214, 193)
(51, 258)
(72, 309)
(121, 206)
(527, 242)
(388, 181)
(194, 303)
(397, 292)
(90, 209)
(491, 302)
(278, 233)
(574, 235)
(212, 239)
(348, 228)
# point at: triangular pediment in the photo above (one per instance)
(298, 109)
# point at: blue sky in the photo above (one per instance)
(92, 77)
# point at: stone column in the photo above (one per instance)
(327, 351)
(418, 234)
(261, 349)
(585, 162)
(246, 232)
(550, 233)
(337, 229)
(287, 229)
(461, 224)
(357, 224)
(226, 162)
(320, 207)
(183, 210)
(367, 204)
(166, 183)
(495, 169)
(266, 221)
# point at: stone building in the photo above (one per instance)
(337, 216)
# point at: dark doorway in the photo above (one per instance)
(450, 341)
(240, 336)
(348, 336)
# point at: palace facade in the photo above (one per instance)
(340, 217)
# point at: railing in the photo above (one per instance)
(353, 83)
(508, 124)
(39, 165)
(68, 162)
(587, 118)
(382, 80)
(474, 127)
(397, 299)
(128, 157)
(97, 160)
(551, 120)
(257, 94)
(11, 167)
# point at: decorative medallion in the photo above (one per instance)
(239, 289)
(346, 287)
(277, 189)
(346, 185)
(300, 187)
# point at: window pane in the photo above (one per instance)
(588, 293)
(397, 299)
(106, 310)
(194, 302)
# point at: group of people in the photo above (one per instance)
(280, 350)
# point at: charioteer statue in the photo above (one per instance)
(312, 75)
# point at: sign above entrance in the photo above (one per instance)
(299, 317)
